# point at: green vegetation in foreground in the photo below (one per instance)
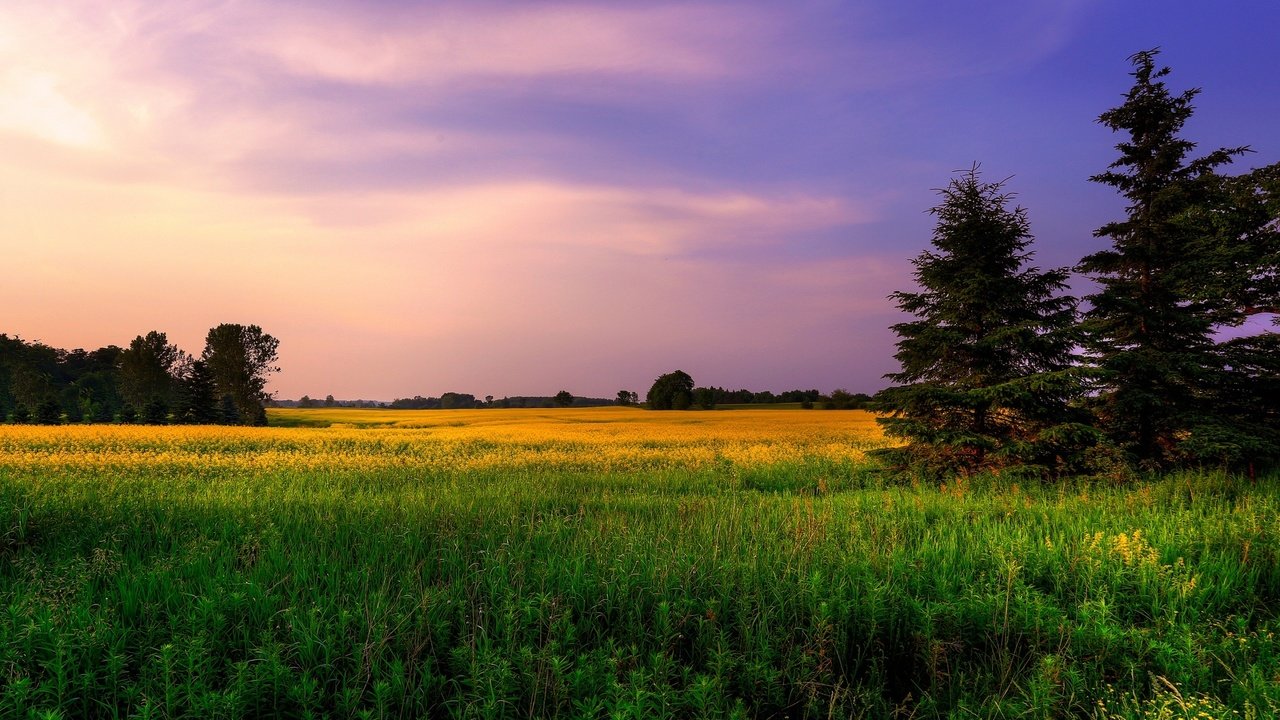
(801, 591)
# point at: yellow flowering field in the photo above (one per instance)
(612, 562)
(604, 439)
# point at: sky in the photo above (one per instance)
(508, 198)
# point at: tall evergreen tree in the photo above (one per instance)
(1195, 252)
(987, 375)
(197, 401)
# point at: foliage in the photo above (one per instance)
(197, 396)
(672, 391)
(150, 381)
(241, 358)
(1196, 252)
(722, 396)
(986, 378)
(842, 399)
(564, 398)
(704, 398)
(146, 374)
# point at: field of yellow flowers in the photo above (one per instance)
(599, 440)
(612, 563)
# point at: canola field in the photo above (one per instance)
(595, 440)
(612, 563)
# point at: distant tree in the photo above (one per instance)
(564, 398)
(306, 402)
(417, 402)
(705, 398)
(73, 405)
(33, 389)
(673, 391)
(227, 412)
(488, 400)
(146, 375)
(156, 412)
(241, 358)
(457, 401)
(1195, 253)
(98, 386)
(627, 397)
(329, 401)
(49, 412)
(845, 400)
(986, 377)
(197, 400)
(10, 352)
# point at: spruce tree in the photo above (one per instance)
(1190, 257)
(987, 367)
(197, 395)
(1238, 262)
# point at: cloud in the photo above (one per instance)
(459, 187)
(443, 43)
(548, 216)
(459, 265)
(218, 80)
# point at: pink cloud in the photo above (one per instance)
(446, 43)
(143, 142)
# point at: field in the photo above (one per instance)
(611, 563)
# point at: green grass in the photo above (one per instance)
(717, 594)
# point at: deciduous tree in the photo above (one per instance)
(241, 358)
(673, 391)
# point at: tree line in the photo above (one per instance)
(150, 381)
(467, 401)
(672, 398)
(676, 391)
(1002, 370)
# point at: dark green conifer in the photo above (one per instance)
(1195, 253)
(987, 368)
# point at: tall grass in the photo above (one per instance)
(798, 588)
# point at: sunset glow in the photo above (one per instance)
(507, 198)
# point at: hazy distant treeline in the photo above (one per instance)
(150, 381)
(839, 399)
(700, 397)
(452, 400)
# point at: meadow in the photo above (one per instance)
(612, 563)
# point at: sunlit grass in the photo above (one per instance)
(611, 563)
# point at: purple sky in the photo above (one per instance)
(517, 198)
